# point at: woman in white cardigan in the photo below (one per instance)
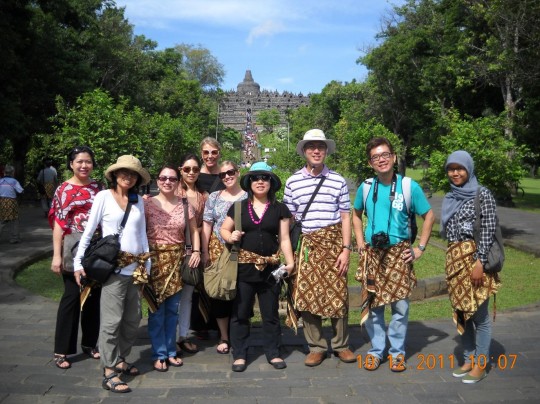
(120, 302)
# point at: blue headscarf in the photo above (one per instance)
(458, 195)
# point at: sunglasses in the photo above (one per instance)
(212, 152)
(260, 177)
(193, 170)
(230, 173)
(164, 178)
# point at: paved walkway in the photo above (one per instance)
(27, 374)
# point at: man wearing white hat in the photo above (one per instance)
(320, 288)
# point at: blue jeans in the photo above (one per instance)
(162, 328)
(397, 329)
(477, 336)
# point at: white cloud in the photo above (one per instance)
(286, 80)
(267, 28)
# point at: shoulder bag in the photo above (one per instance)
(100, 257)
(295, 230)
(495, 255)
(220, 277)
(190, 276)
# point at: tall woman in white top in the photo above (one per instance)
(120, 302)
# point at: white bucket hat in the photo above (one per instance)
(315, 135)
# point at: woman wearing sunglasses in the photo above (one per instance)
(209, 180)
(264, 235)
(190, 167)
(165, 224)
(215, 212)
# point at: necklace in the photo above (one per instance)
(250, 210)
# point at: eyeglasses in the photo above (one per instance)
(312, 146)
(230, 173)
(212, 152)
(193, 170)
(164, 178)
(458, 169)
(126, 173)
(377, 157)
(260, 177)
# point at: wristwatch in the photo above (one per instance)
(348, 247)
(421, 247)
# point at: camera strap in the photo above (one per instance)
(375, 196)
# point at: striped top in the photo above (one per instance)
(331, 200)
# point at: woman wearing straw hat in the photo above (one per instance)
(120, 303)
(265, 233)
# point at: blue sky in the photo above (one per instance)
(293, 45)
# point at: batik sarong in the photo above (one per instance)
(384, 276)
(165, 277)
(464, 297)
(9, 209)
(317, 288)
(260, 262)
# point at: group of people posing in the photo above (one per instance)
(199, 197)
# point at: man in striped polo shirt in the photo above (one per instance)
(322, 255)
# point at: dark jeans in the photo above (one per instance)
(69, 312)
(268, 295)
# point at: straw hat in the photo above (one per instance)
(315, 135)
(128, 162)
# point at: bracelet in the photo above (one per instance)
(195, 251)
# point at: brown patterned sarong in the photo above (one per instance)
(50, 187)
(317, 288)
(214, 248)
(464, 298)
(9, 209)
(165, 277)
(249, 257)
(384, 276)
(140, 276)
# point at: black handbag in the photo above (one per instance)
(190, 276)
(295, 230)
(101, 255)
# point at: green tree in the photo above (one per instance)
(268, 119)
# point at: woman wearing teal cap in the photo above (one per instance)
(264, 235)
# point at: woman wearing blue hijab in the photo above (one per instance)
(469, 286)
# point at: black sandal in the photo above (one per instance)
(114, 385)
(163, 367)
(182, 345)
(178, 362)
(91, 352)
(59, 360)
(130, 369)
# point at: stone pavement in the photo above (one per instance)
(28, 374)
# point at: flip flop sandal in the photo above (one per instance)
(399, 366)
(108, 384)
(61, 359)
(177, 363)
(163, 367)
(226, 350)
(91, 352)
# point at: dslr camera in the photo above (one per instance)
(280, 273)
(380, 240)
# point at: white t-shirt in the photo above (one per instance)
(107, 212)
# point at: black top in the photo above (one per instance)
(207, 180)
(260, 238)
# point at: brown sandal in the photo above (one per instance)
(226, 350)
(372, 363)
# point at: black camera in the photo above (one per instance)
(380, 240)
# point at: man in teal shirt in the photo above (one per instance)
(387, 252)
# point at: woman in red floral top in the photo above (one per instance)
(68, 216)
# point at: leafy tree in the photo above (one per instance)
(199, 64)
(268, 118)
(486, 142)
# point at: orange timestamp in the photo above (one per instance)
(440, 361)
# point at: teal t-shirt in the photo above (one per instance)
(398, 227)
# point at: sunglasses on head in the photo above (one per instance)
(230, 173)
(260, 177)
(212, 152)
(164, 178)
(193, 170)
